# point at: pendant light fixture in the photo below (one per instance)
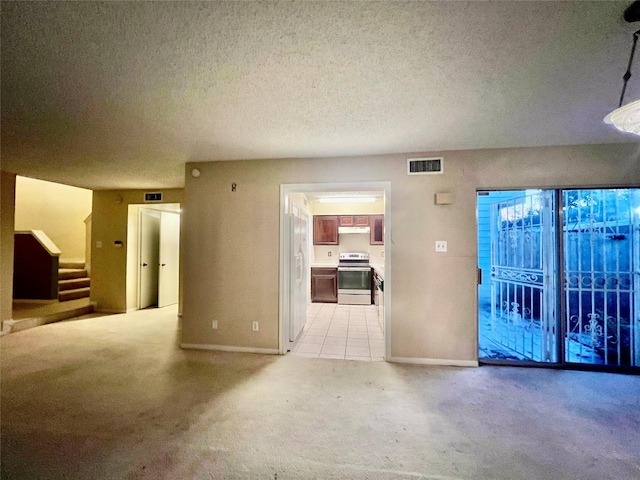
(627, 118)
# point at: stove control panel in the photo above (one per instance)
(354, 256)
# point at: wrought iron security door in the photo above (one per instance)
(523, 288)
(601, 252)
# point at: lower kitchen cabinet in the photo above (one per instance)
(324, 285)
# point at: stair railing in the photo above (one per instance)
(35, 266)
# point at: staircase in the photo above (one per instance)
(73, 281)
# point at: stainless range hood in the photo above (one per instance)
(366, 230)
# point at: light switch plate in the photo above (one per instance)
(441, 245)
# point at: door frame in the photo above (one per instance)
(141, 213)
(132, 278)
(284, 294)
(174, 254)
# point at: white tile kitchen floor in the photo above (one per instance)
(349, 332)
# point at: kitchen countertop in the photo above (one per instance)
(379, 269)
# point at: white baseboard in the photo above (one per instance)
(229, 348)
(435, 361)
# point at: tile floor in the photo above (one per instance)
(349, 332)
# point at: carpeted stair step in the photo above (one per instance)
(71, 264)
(75, 309)
(66, 295)
(69, 273)
(73, 283)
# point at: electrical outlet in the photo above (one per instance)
(255, 326)
(441, 245)
(214, 324)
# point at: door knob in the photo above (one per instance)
(162, 264)
(144, 264)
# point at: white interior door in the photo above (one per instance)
(149, 257)
(169, 260)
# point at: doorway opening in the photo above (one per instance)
(560, 277)
(153, 256)
(322, 326)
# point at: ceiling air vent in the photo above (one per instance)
(425, 166)
(153, 197)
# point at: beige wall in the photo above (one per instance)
(58, 210)
(7, 201)
(110, 223)
(232, 238)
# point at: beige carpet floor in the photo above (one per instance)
(115, 398)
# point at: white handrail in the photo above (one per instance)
(45, 241)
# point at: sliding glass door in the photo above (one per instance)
(559, 285)
(601, 251)
(518, 288)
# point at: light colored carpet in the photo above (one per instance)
(114, 397)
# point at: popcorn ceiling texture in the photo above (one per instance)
(122, 94)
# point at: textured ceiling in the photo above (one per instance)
(122, 94)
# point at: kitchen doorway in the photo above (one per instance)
(298, 315)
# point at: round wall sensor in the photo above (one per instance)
(195, 173)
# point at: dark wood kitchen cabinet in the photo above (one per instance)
(324, 284)
(377, 229)
(354, 220)
(346, 221)
(325, 229)
(361, 220)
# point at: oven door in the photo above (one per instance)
(354, 285)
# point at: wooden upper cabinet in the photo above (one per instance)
(325, 230)
(346, 221)
(354, 220)
(361, 220)
(377, 229)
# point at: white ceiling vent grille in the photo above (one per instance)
(425, 166)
